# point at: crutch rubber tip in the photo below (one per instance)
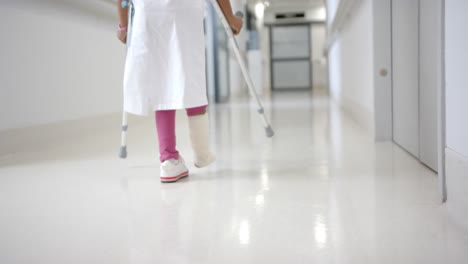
(269, 131)
(123, 152)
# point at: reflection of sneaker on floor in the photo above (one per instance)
(173, 170)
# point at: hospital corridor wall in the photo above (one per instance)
(367, 92)
(59, 62)
(351, 84)
(62, 68)
(456, 94)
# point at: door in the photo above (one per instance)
(291, 57)
(416, 59)
(405, 53)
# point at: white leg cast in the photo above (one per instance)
(199, 135)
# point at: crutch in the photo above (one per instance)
(235, 46)
(123, 143)
(268, 129)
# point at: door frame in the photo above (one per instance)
(441, 108)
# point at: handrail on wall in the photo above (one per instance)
(342, 16)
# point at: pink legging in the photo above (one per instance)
(165, 124)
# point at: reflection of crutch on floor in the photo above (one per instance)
(235, 47)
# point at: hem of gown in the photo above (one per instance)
(161, 107)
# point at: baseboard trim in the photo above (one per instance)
(359, 114)
(42, 137)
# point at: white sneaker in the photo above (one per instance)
(173, 170)
(199, 136)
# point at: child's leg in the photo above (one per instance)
(165, 124)
(199, 135)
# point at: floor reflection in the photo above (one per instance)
(320, 191)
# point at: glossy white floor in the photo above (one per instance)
(319, 192)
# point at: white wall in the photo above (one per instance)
(317, 14)
(456, 41)
(58, 62)
(332, 7)
(351, 65)
(456, 90)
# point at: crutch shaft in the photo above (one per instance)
(123, 140)
(248, 80)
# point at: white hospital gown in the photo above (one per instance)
(165, 66)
